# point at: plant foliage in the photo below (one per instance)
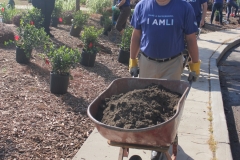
(58, 9)
(80, 19)
(89, 37)
(33, 16)
(99, 6)
(7, 13)
(62, 59)
(126, 39)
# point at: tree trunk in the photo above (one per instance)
(77, 5)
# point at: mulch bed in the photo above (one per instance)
(36, 124)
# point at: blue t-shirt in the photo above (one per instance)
(163, 27)
(197, 6)
(127, 3)
(218, 1)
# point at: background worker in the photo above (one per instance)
(159, 30)
(125, 11)
(200, 10)
(217, 5)
(230, 4)
(46, 7)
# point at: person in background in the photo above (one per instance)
(125, 11)
(200, 10)
(11, 3)
(46, 7)
(159, 30)
(230, 4)
(217, 5)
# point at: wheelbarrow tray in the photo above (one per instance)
(161, 135)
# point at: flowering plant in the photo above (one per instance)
(33, 17)
(89, 37)
(61, 59)
(29, 37)
(79, 19)
(7, 13)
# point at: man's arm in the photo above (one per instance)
(135, 43)
(204, 12)
(192, 47)
(121, 3)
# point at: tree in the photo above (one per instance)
(77, 5)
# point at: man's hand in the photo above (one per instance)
(115, 7)
(133, 67)
(195, 70)
(202, 22)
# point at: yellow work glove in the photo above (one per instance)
(195, 68)
(133, 67)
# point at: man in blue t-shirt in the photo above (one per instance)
(159, 30)
(200, 10)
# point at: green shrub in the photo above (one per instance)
(126, 39)
(33, 16)
(7, 13)
(99, 6)
(89, 37)
(58, 9)
(80, 19)
(62, 59)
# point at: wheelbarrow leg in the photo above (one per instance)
(123, 153)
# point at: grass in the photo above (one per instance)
(17, 2)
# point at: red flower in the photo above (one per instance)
(90, 45)
(60, 20)
(16, 37)
(31, 22)
(3, 9)
(47, 61)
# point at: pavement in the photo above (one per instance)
(203, 121)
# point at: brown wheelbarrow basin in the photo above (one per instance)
(161, 135)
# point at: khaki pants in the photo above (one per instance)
(170, 70)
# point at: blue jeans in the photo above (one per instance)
(219, 7)
(229, 6)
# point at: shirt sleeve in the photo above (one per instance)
(135, 22)
(190, 23)
(203, 1)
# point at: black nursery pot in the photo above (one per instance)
(58, 83)
(22, 56)
(106, 30)
(88, 59)
(123, 56)
(54, 22)
(75, 31)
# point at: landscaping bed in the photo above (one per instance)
(36, 124)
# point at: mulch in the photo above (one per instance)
(36, 124)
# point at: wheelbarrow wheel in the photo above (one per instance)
(155, 155)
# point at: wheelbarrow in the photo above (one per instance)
(158, 137)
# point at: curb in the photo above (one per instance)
(220, 130)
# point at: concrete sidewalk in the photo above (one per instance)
(203, 111)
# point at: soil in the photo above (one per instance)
(139, 108)
(36, 124)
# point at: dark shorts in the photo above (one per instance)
(122, 19)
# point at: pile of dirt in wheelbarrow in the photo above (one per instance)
(139, 108)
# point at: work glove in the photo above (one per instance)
(195, 68)
(115, 7)
(133, 67)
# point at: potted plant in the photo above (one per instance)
(28, 37)
(89, 37)
(124, 53)
(116, 14)
(61, 60)
(107, 25)
(79, 20)
(56, 15)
